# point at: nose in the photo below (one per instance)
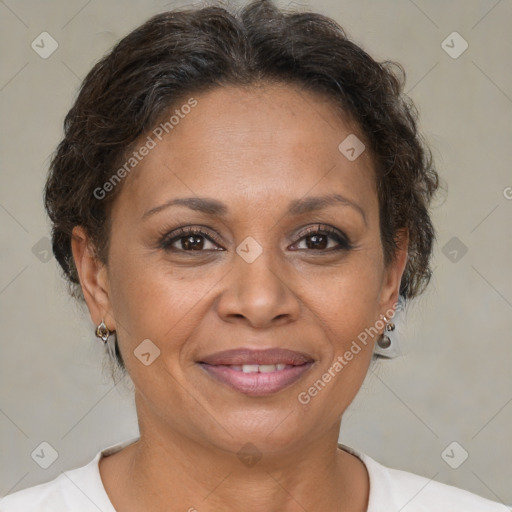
(258, 294)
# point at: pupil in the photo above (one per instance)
(316, 242)
(193, 242)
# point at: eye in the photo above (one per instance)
(317, 239)
(189, 239)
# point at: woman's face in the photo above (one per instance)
(252, 164)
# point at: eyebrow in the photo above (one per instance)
(297, 206)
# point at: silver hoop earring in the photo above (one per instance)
(103, 332)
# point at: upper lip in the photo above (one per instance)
(241, 356)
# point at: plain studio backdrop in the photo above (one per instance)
(442, 410)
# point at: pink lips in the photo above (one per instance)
(256, 383)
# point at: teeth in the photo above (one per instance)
(250, 368)
(264, 368)
(261, 368)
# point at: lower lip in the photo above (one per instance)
(257, 384)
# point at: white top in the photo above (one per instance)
(391, 490)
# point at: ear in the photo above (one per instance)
(93, 278)
(394, 271)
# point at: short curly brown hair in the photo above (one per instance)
(178, 53)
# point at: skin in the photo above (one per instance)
(256, 149)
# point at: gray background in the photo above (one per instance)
(453, 382)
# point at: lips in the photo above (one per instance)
(272, 356)
(257, 372)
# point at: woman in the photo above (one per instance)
(242, 202)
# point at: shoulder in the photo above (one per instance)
(78, 489)
(417, 493)
(401, 490)
(43, 497)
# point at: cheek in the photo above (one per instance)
(347, 298)
(347, 324)
(345, 316)
(348, 312)
(155, 300)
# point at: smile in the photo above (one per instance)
(257, 380)
(262, 368)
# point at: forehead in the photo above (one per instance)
(251, 143)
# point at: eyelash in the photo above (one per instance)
(339, 237)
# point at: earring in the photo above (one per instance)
(103, 332)
(384, 341)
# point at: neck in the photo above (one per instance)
(173, 472)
